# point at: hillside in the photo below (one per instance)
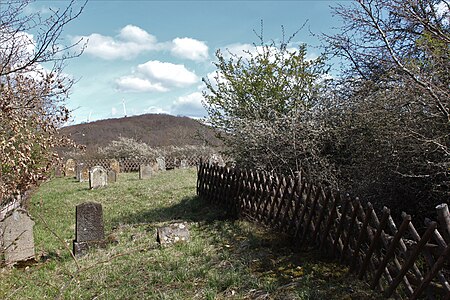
(156, 130)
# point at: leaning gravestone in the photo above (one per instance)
(16, 236)
(145, 171)
(98, 177)
(89, 229)
(69, 168)
(161, 162)
(173, 233)
(112, 176)
(114, 165)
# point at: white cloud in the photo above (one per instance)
(156, 76)
(189, 105)
(190, 48)
(130, 42)
(136, 84)
(168, 73)
(113, 111)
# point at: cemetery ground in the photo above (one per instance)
(224, 259)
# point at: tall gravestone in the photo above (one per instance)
(114, 165)
(98, 177)
(145, 171)
(112, 176)
(89, 229)
(78, 172)
(84, 174)
(16, 236)
(69, 168)
(58, 171)
(161, 162)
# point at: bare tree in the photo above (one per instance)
(390, 113)
(32, 91)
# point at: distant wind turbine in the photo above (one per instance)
(124, 108)
(89, 118)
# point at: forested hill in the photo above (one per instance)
(156, 130)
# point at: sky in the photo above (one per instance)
(150, 56)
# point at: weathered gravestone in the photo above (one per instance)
(173, 233)
(112, 176)
(69, 168)
(89, 230)
(16, 236)
(82, 172)
(58, 171)
(114, 165)
(98, 177)
(84, 176)
(183, 164)
(161, 162)
(145, 171)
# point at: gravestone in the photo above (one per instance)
(183, 164)
(69, 168)
(145, 171)
(78, 172)
(16, 236)
(114, 165)
(161, 162)
(89, 229)
(112, 176)
(98, 177)
(58, 171)
(84, 174)
(173, 233)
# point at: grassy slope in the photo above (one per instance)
(224, 260)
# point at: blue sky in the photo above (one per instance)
(153, 54)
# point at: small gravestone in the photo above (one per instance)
(145, 171)
(16, 236)
(98, 177)
(114, 165)
(183, 164)
(112, 176)
(78, 172)
(173, 233)
(84, 176)
(69, 168)
(89, 230)
(58, 171)
(161, 162)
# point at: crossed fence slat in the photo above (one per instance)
(396, 261)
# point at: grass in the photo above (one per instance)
(225, 259)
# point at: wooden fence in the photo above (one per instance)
(396, 260)
(132, 164)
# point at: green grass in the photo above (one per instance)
(225, 259)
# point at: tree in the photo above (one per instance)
(32, 92)
(262, 105)
(389, 121)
